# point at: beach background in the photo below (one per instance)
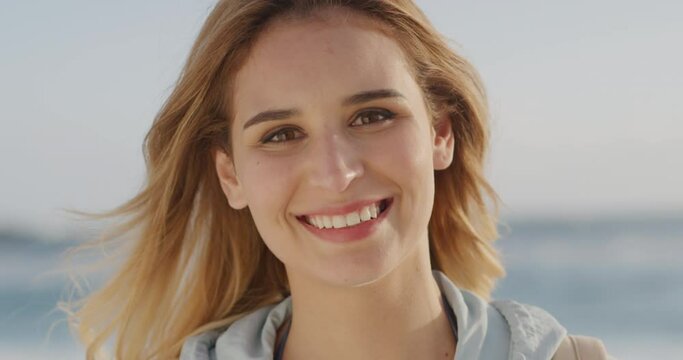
(587, 151)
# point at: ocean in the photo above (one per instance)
(620, 279)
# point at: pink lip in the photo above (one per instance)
(351, 233)
(342, 210)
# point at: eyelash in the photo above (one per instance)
(385, 114)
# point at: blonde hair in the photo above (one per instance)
(197, 264)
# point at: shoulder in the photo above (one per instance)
(504, 329)
(534, 333)
(250, 337)
(514, 330)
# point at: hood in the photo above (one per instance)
(502, 329)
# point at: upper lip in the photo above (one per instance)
(342, 209)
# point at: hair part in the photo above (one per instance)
(197, 264)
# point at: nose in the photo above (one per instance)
(335, 163)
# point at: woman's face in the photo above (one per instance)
(328, 120)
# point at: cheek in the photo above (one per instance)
(406, 153)
(266, 176)
(408, 161)
(269, 186)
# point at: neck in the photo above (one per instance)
(399, 316)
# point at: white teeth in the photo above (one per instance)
(365, 214)
(339, 221)
(352, 219)
(374, 210)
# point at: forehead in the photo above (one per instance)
(296, 61)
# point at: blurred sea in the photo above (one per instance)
(620, 279)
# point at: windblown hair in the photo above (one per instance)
(197, 264)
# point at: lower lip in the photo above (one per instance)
(351, 233)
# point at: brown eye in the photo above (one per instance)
(281, 136)
(372, 116)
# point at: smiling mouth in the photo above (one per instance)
(352, 219)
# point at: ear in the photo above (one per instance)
(232, 188)
(443, 142)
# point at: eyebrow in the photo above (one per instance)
(367, 96)
(359, 98)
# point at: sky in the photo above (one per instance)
(584, 96)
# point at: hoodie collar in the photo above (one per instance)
(497, 330)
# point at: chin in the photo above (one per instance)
(358, 272)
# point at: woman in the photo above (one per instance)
(315, 191)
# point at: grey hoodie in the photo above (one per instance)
(504, 330)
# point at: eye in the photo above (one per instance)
(281, 135)
(372, 116)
